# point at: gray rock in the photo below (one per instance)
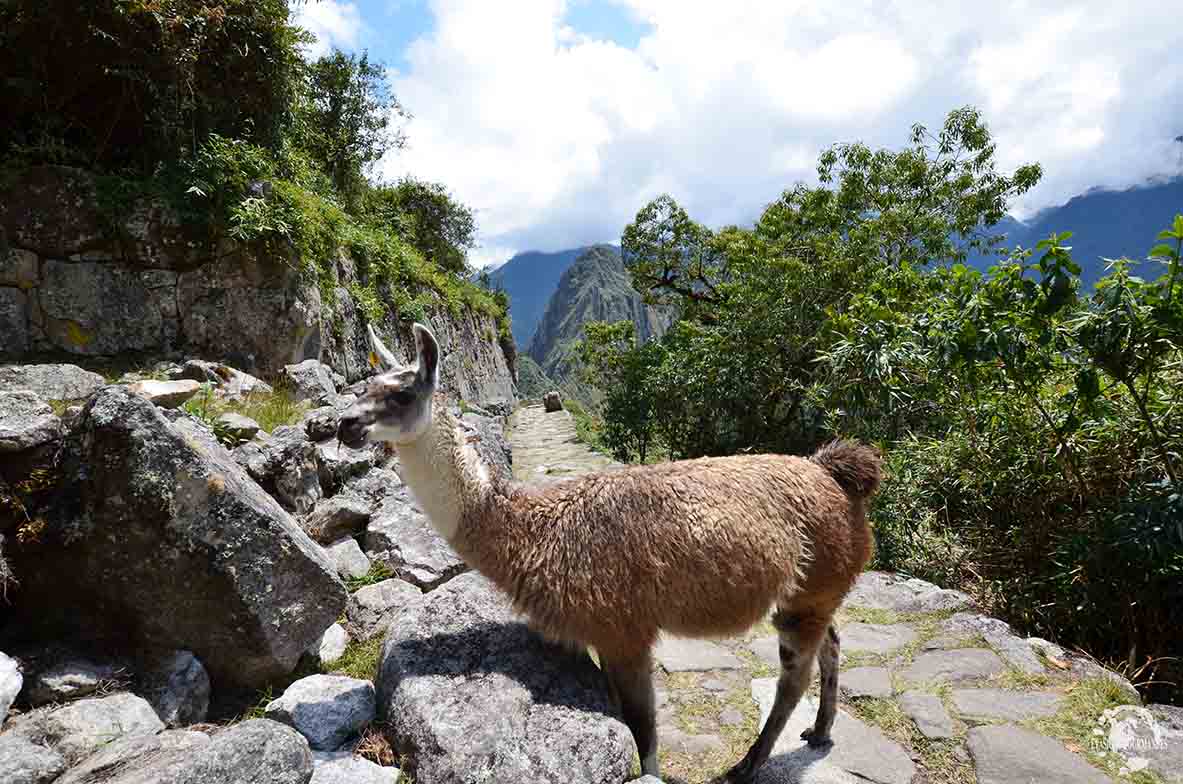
(333, 518)
(67, 679)
(401, 537)
(125, 755)
(675, 740)
(96, 308)
(1165, 754)
(1012, 648)
(1081, 666)
(490, 442)
(885, 591)
(337, 463)
(11, 682)
(253, 752)
(347, 556)
(959, 665)
(78, 729)
(325, 709)
(166, 394)
(866, 682)
(1006, 754)
(372, 608)
(178, 688)
(676, 654)
(51, 382)
(25, 762)
(859, 750)
(876, 638)
(309, 380)
(929, 713)
(977, 705)
(285, 465)
(177, 536)
(229, 383)
(331, 646)
(470, 692)
(767, 649)
(14, 321)
(342, 767)
(731, 717)
(26, 422)
(646, 780)
(321, 423)
(18, 269)
(237, 426)
(551, 402)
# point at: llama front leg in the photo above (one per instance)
(827, 661)
(799, 641)
(632, 680)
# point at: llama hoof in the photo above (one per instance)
(816, 740)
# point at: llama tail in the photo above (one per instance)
(856, 468)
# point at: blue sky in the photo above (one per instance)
(556, 120)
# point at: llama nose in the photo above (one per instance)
(351, 431)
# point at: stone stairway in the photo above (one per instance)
(932, 691)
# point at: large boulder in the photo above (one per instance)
(51, 382)
(490, 442)
(163, 541)
(402, 537)
(78, 729)
(371, 609)
(309, 380)
(24, 762)
(254, 752)
(285, 465)
(468, 693)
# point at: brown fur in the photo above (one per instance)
(696, 548)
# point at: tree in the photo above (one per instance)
(613, 361)
(768, 303)
(345, 120)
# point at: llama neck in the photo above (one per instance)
(445, 473)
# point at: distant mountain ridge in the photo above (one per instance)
(530, 278)
(1104, 224)
(596, 287)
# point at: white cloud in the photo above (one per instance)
(557, 139)
(335, 24)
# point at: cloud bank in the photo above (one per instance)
(557, 139)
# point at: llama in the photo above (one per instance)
(696, 548)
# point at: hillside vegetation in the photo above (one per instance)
(1033, 432)
(210, 108)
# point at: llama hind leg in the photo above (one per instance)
(827, 661)
(632, 680)
(800, 637)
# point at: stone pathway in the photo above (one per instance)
(546, 445)
(932, 692)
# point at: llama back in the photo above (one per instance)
(680, 546)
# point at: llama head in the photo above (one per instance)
(396, 405)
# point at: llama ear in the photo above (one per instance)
(380, 356)
(429, 355)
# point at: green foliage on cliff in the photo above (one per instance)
(210, 107)
(1033, 434)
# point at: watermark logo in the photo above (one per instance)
(1128, 730)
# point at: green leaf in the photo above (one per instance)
(1162, 251)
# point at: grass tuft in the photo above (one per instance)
(360, 660)
(378, 572)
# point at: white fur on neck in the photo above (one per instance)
(445, 474)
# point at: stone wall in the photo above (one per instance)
(73, 283)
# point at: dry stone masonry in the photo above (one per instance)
(224, 570)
